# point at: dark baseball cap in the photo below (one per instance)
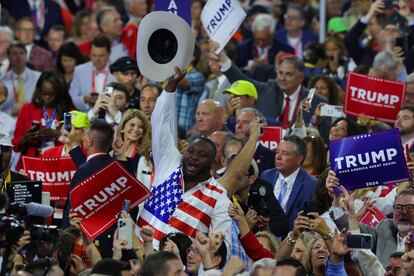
(124, 64)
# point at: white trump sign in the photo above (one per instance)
(221, 19)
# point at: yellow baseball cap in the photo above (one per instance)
(242, 88)
(80, 119)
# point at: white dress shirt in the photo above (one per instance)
(290, 180)
(7, 124)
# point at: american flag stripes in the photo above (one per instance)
(162, 204)
(171, 210)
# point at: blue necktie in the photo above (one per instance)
(282, 192)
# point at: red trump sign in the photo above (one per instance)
(271, 137)
(98, 199)
(54, 173)
(377, 98)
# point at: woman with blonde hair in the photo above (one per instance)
(134, 130)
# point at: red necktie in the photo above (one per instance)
(285, 115)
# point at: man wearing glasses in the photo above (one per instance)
(390, 234)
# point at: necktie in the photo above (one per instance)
(20, 90)
(285, 115)
(282, 192)
(34, 14)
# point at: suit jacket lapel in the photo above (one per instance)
(296, 189)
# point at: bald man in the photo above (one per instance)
(210, 117)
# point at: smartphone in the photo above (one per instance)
(311, 94)
(125, 205)
(125, 231)
(35, 125)
(363, 241)
(67, 122)
(400, 42)
(310, 207)
(108, 90)
(335, 111)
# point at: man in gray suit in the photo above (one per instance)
(20, 80)
(90, 78)
(280, 97)
(390, 234)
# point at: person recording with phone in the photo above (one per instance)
(258, 202)
(389, 235)
(37, 123)
(111, 104)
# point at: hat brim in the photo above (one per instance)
(237, 93)
(179, 27)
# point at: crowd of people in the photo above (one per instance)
(221, 202)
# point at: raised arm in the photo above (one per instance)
(231, 71)
(241, 163)
(164, 127)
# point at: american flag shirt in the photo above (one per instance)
(202, 208)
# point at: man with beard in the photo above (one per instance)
(390, 234)
(185, 197)
(405, 123)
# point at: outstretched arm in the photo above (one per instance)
(164, 128)
(241, 163)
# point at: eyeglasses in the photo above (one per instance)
(290, 17)
(51, 95)
(408, 207)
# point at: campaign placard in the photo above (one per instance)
(54, 173)
(377, 98)
(221, 19)
(98, 199)
(368, 160)
(271, 137)
(372, 217)
(182, 8)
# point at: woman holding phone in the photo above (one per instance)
(38, 120)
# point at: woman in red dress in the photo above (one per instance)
(38, 120)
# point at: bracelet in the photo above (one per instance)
(313, 121)
(328, 237)
(290, 240)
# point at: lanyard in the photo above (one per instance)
(48, 120)
(94, 74)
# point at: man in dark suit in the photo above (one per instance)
(45, 13)
(292, 185)
(38, 58)
(294, 33)
(97, 144)
(264, 157)
(263, 48)
(280, 97)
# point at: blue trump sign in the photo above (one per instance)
(370, 159)
(181, 8)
